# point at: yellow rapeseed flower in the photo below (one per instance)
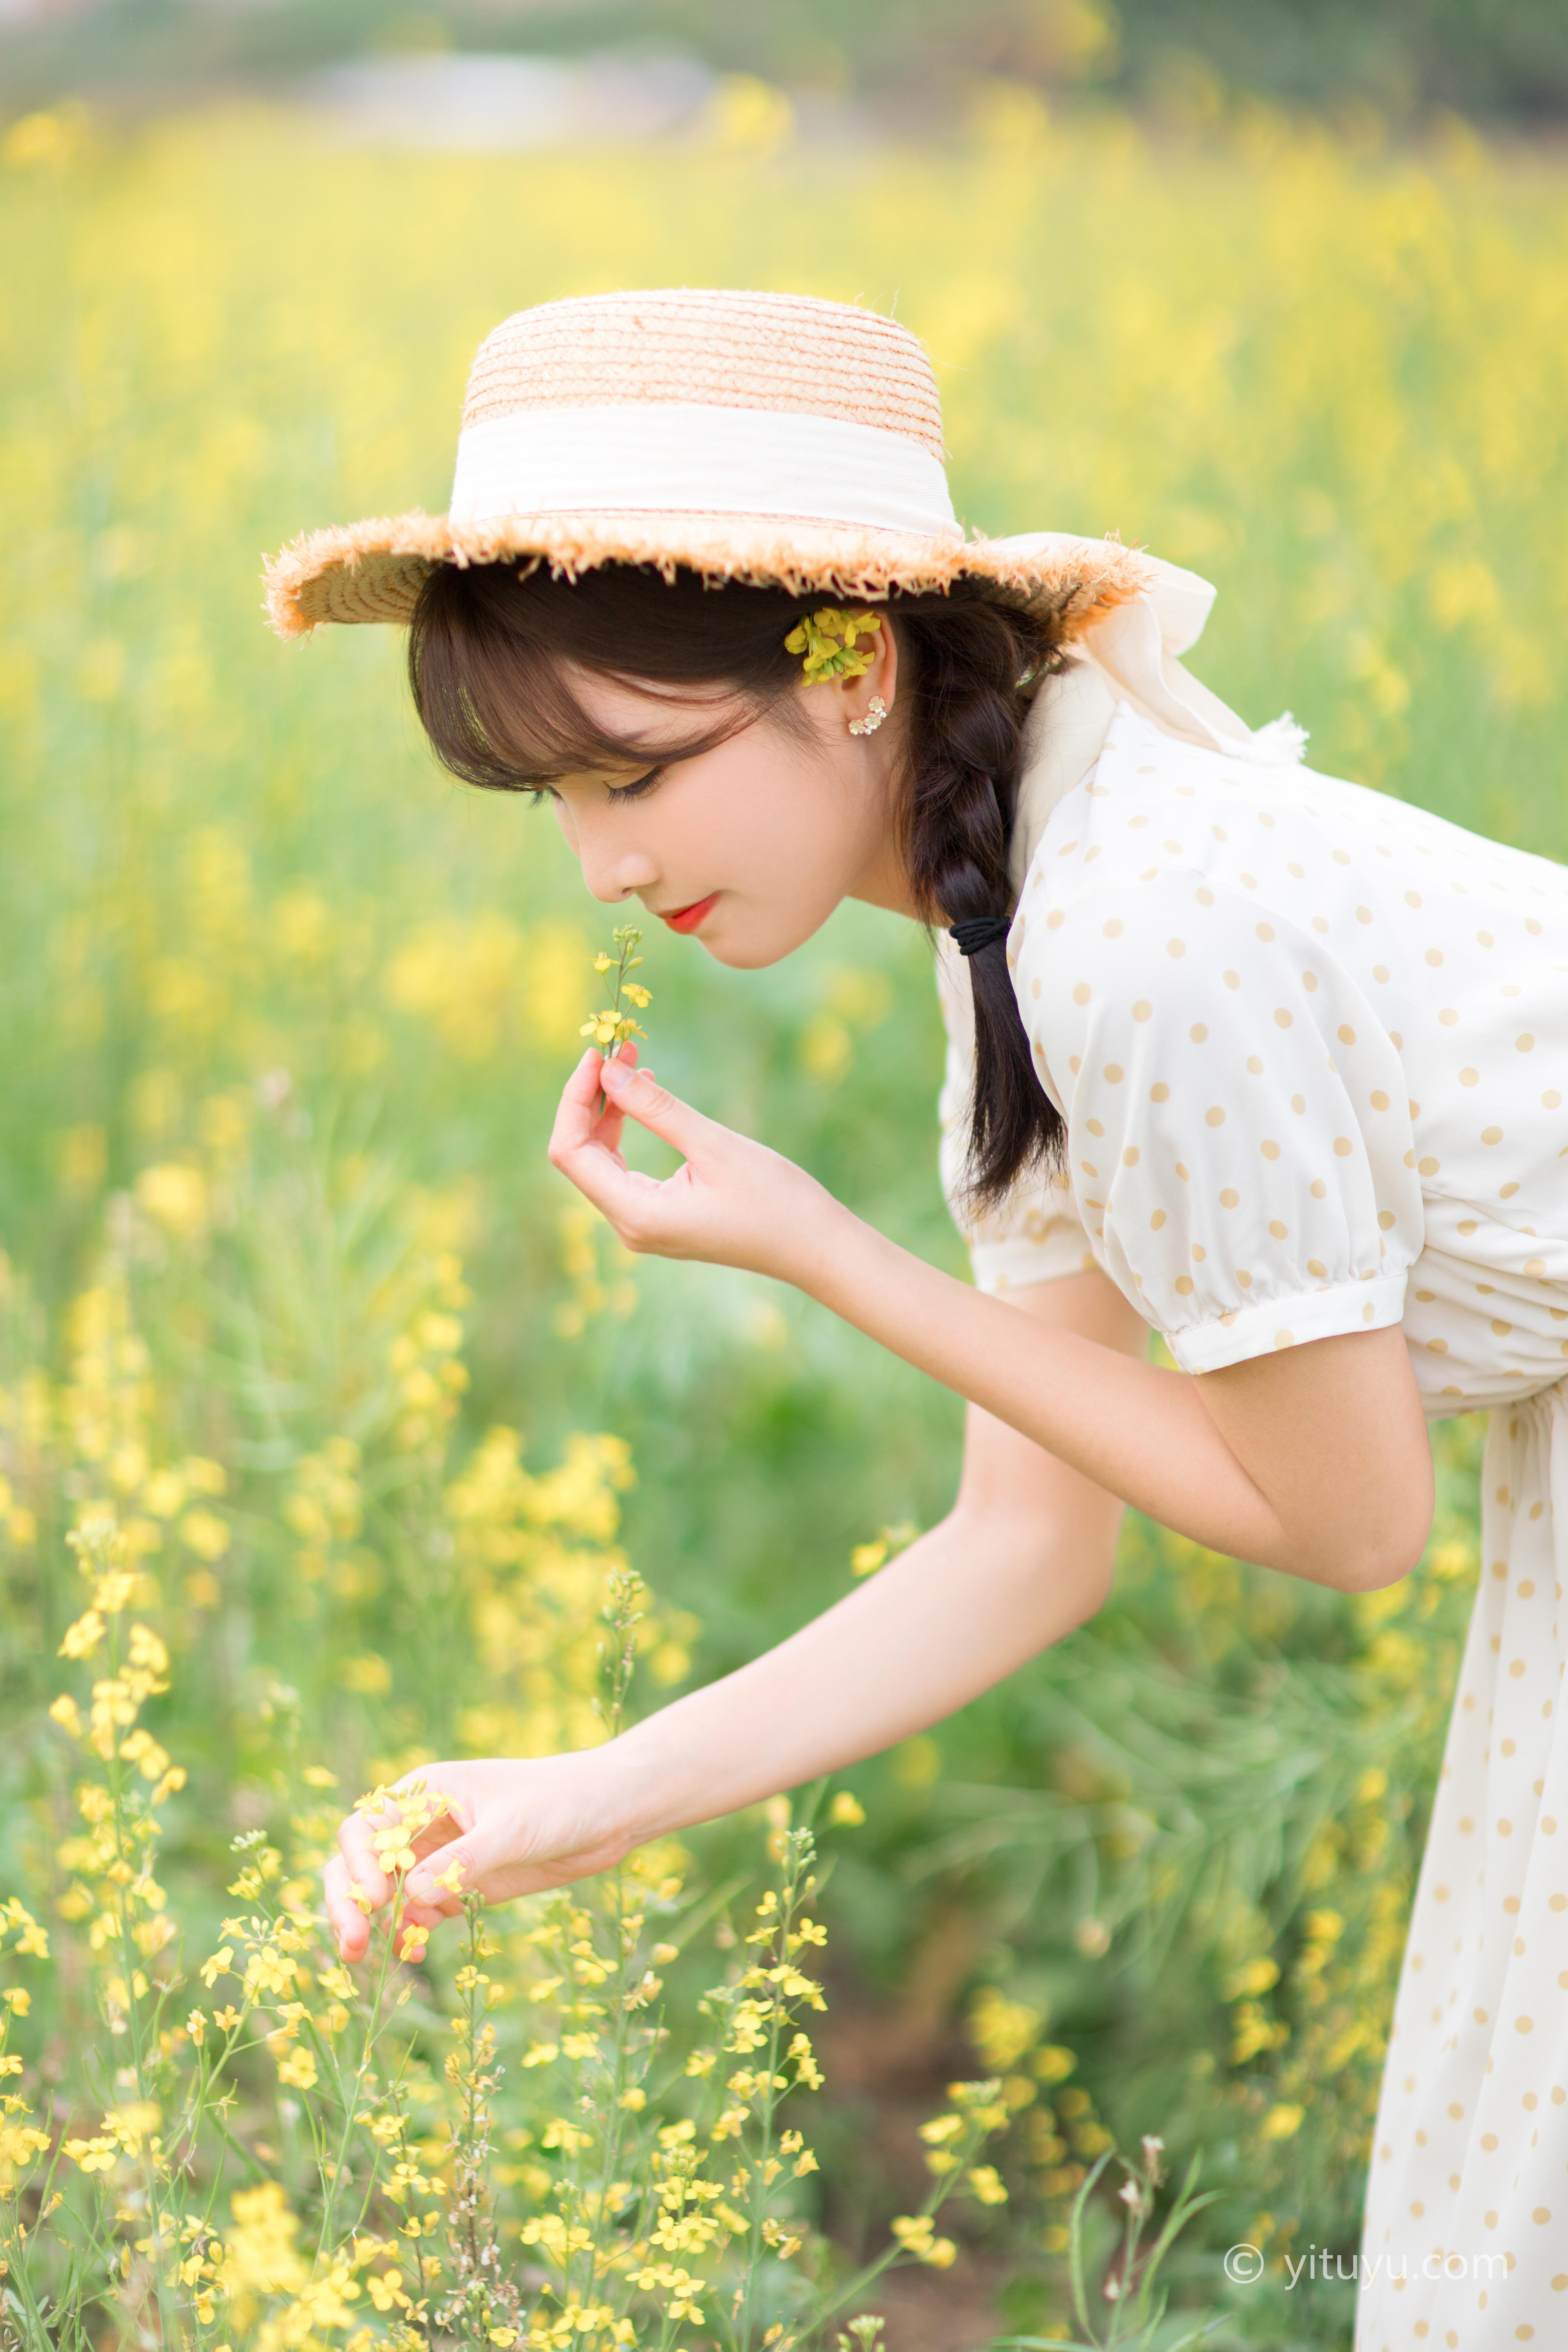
(205, 1534)
(828, 638)
(80, 1639)
(612, 1028)
(175, 1196)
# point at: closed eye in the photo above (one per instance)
(632, 791)
(635, 789)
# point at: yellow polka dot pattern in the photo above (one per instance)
(1284, 1103)
(1468, 2189)
(1313, 1128)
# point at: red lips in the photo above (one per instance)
(687, 919)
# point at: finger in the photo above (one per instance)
(584, 1120)
(359, 1858)
(638, 1094)
(439, 1882)
(350, 1927)
(429, 1914)
(411, 1934)
(584, 1089)
(610, 1118)
(599, 1173)
(586, 1114)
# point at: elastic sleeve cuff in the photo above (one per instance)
(1286, 1322)
(1011, 1264)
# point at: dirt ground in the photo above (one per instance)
(898, 2058)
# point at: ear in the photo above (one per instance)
(882, 678)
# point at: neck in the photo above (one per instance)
(884, 883)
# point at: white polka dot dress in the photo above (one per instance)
(1311, 1046)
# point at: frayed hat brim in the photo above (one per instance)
(373, 571)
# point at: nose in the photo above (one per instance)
(613, 867)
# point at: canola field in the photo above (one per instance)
(335, 1436)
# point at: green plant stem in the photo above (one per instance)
(788, 1905)
(351, 2105)
(168, 2306)
(621, 1619)
(935, 2198)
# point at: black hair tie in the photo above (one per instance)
(977, 931)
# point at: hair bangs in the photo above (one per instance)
(494, 669)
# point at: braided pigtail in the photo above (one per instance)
(975, 663)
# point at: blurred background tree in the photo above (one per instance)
(907, 63)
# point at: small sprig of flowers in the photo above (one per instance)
(828, 638)
(396, 1819)
(1131, 2285)
(611, 1028)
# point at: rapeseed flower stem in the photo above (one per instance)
(612, 1028)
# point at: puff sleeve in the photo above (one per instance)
(1037, 1233)
(1241, 1144)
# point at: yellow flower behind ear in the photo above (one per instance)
(828, 638)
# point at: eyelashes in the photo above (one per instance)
(635, 789)
(539, 794)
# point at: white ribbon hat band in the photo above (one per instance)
(696, 457)
(690, 457)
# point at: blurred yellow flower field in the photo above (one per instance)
(310, 1361)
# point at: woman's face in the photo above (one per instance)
(751, 846)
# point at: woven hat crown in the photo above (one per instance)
(790, 353)
(773, 438)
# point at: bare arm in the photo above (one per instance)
(1023, 1557)
(1314, 1460)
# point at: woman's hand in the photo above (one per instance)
(502, 1827)
(734, 1202)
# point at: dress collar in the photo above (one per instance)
(1063, 737)
(1132, 655)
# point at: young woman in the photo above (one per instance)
(1265, 1060)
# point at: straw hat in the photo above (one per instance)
(765, 437)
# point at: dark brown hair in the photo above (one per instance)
(491, 655)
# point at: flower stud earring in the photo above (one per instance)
(876, 711)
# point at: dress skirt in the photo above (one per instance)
(1465, 2244)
